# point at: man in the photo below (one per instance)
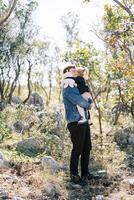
(80, 132)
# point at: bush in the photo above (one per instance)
(4, 131)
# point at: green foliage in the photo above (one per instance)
(2, 8)
(70, 22)
(11, 114)
(4, 130)
(118, 35)
(83, 55)
(51, 130)
(15, 38)
(113, 18)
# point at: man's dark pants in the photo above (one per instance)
(81, 139)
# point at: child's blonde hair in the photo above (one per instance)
(81, 71)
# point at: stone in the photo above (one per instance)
(3, 105)
(2, 156)
(17, 198)
(131, 185)
(3, 195)
(102, 173)
(16, 100)
(131, 139)
(52, 165)
(129, 161)
(51, 190)
(3, 162)
(30, 146)
(125, 137)
(40, 114)
(18, 127)
(99, 197)
(131, 182)
(76, 186)
(36, 100)
(57, 139)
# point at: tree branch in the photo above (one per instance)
(125, 8)
(10, 10)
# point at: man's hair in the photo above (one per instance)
(66, 69)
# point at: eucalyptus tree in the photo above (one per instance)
(15, 40)
(126, 5)
(119, 38)
(6, 11)
(70, 22)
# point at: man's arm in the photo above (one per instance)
(73, 95)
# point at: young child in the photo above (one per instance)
(76, 78)
(85, 92)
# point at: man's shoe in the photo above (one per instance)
(77, 180)
(89, 177)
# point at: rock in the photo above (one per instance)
(30, 146)
(125, 137)
(3, 195)
(131, 139)
(99, 197)
(52, 165)
(131, 182)
(3, 105)
(129, 161)
(40, 114)
(101, 173)
(16, 100)
(57, 117)
(3, 162)
(51, 190)
(76, 186)
(122, 140)
(57, 139)
(131, 186)
(36, 100)
(18, 127)
(17, 198)
(2, 156)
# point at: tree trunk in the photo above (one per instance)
(28, 81)
(13, 85)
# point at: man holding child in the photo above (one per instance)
(77, 115)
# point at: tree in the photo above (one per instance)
(126, 5)
(118, 36)
(15, 41)
(70, 23)
(8, 11)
